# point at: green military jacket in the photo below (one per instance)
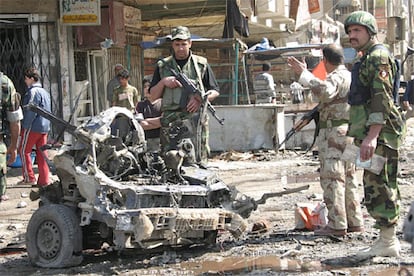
(10, 101)
(376, 74)
(194, 69)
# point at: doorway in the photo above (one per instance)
(99, 79)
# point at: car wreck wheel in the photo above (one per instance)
(54, 237)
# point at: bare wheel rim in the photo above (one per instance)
(49, 240)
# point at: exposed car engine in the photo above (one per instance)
(111, 190)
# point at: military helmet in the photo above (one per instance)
(362, 18)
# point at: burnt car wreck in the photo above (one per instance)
(112, 190)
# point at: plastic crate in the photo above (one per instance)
(18, 162)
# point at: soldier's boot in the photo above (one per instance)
(386, 246)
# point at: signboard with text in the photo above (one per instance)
(80, 12)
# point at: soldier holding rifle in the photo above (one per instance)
(337, 177)
(166, 86)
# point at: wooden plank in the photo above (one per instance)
(29, 6)
(189, 21)
(158, 2)
(299, 108)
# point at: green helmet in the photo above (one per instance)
(362, 18)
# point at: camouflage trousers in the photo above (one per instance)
(382, 195)
(338, 180)
(189, 130)
(3, 168)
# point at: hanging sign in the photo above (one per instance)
(80, 12)
(313, 6)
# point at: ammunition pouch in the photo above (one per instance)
(184, 100)
(170, 117)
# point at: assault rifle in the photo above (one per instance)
(66, 126)
(190, 89)
(305, 120)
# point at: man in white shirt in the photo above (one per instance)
(264, 85)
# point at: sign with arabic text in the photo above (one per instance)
(80, 12)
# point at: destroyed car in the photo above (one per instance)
(112, 190)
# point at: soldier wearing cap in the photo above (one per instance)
(12, 113)
(377, 126)
(164, 85)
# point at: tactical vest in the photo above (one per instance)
(171, 97)
(360, 97)
(360, 94)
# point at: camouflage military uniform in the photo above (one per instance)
(373, 81)
(197, 123)
(10, 110)
(338, 179)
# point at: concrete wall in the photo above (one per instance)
(254, 127)
(247, 127)
(19, 7)
(301, 139)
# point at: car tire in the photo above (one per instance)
(54, 237)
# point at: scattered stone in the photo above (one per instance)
(261, 226)
(11, 227)
(403, 181)
(316, 196)
(339, 272)
(22, 204)
(24, 195)
(290, 253)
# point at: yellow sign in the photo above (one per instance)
(80, 12)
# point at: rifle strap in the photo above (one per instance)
(199, 75)
(315, 134)
(202, 111)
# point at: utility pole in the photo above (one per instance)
(410, 63)
(410, 23)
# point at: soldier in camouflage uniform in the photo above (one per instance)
(165, 85)
(10, 111)
(337, 177)
(377, 126)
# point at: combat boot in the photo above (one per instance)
(386, 246)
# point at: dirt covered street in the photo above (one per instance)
(279, 251)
